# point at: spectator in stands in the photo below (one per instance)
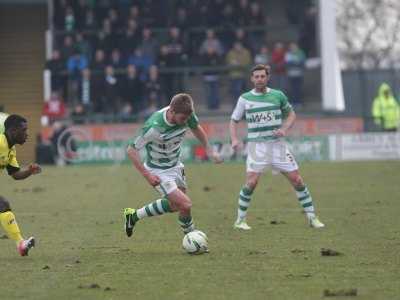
(78, 114)
(239, 58)
(75, 66)
(130, 39)
(116, 60)
(82, 45)
(262, 57)
(181, 19)
(56, 66)
(99, 62)
(295, 60)
(175, 47)
(241, 37)
(81, 9)
(134, 15)
(244, 12)
(211, 77)
(54, 109)
(278, 64)
(132, 89)
(211, 41)
(256, 16)
(115, 22)
(149, 44)
(229, 17)
(177, 56)
(76, 63)
(104, 42)
(69, 20)
(112, 86)
(90, 22)
(153, 91)
(67, 49)
(110, 37)
(385, 109)
(141, 61)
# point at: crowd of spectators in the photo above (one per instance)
(110, 57)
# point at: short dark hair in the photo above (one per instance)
(14, 121)
(259, 67)
(182, 104)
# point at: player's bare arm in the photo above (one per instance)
(32, 169)
(200, 134)
(235, 142)
(134, 156)
(287, 124)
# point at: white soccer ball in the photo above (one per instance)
(195, 242)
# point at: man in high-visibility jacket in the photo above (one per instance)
(385, 109)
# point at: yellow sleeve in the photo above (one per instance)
(13, 159)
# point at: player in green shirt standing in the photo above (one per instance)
(161, 136)
(269, 116)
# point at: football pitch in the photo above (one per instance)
(82, 251)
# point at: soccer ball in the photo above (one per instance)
(195, 242)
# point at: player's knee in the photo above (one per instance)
(297, 181)
(252, 183)
(4, 205)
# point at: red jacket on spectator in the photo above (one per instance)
(54, 108)
(278, 59)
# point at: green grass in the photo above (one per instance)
(76, 215)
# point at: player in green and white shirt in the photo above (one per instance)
(161, 136)
(269, 116)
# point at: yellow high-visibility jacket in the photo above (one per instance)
(386, 110)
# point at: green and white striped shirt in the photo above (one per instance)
(264, 113)
(162, 140)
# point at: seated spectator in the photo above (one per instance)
(240, 59)
(211, 41)
(53, 109)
